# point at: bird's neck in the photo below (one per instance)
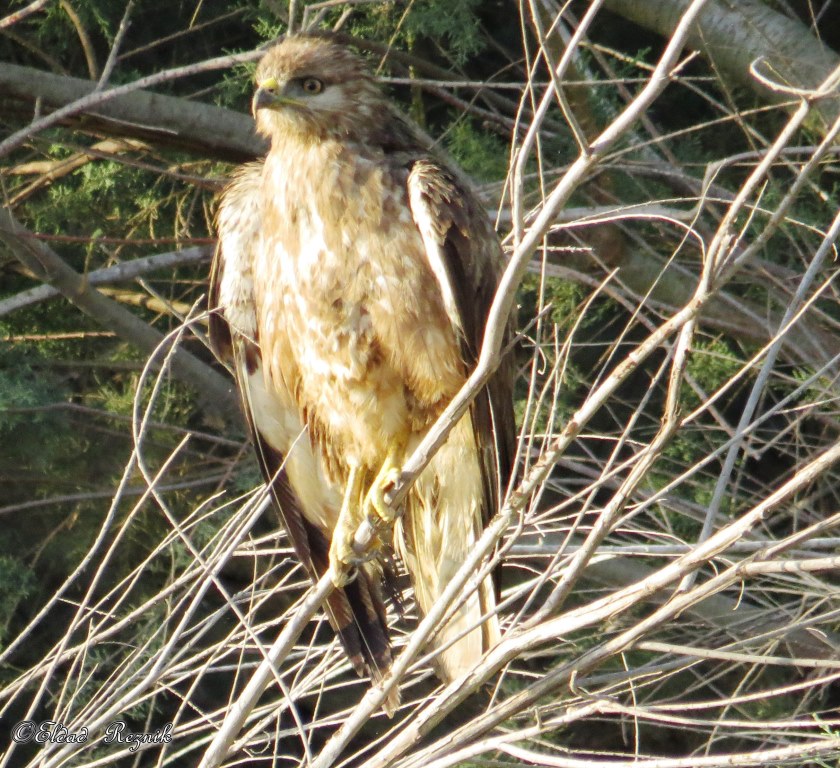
(293, 150)
(292, 165)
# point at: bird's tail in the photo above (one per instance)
(438, 531)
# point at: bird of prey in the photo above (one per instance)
(349, 295)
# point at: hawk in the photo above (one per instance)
(349, 295)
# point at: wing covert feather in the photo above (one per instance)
(466, 258)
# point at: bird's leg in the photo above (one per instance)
(356, 507)
(350, 517)
(387, 476)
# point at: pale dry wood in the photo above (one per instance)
(19, 15)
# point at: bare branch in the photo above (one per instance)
(131, 111)
(214, 391)
(734, 36)
(126, 270)
(115, 47)
(14, 18)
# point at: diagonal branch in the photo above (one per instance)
(14, 18)
(126, 270)
(203, 128)
(215, 392)
(734, 35)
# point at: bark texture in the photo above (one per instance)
(205, 129)
(733, 34)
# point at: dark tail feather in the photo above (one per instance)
(357, 611)
(357, 614)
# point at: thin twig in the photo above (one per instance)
(14, 18)
(115, 47)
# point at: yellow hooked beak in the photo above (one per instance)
(268, 96)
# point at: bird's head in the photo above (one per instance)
(311, 86)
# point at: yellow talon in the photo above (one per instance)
(349, 518)
(387, 477)
(356, 506)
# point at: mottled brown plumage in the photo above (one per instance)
(350, 293)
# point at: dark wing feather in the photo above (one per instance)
(220, 336)
(356, 612)
(469, 251)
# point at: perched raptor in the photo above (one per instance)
(349, 295)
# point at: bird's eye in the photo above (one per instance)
(312, 85)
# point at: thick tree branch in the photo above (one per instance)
(734, 35)
(201, 128)
(215, 392)
(669, 285)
